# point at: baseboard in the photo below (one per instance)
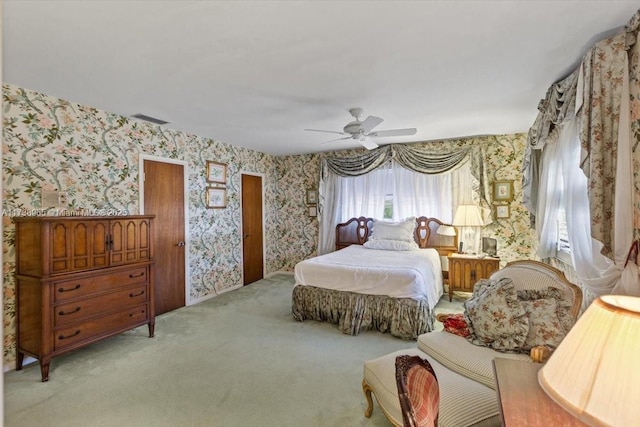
(290, 273)
(233, 288)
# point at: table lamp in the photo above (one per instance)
(468, 217)
(594, 373)
(446, 230)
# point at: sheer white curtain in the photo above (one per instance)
(364, 195)
(413, 194)
(551, 196)
(416, 194)
(563, 184)
(347, 197)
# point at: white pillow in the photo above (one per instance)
(402, 230)
(391, 245)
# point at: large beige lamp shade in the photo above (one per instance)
(595, 372)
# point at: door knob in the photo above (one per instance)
(180, 244)
(244, 236)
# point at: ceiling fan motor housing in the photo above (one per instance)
(352, 127)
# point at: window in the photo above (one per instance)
(393, 193)
(563, 234)
(388, 207)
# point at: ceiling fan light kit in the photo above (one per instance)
(361, 130)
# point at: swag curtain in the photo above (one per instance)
(600, 218)
(332, 189)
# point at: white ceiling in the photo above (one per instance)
(256, 74)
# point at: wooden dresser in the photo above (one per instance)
(80, 280)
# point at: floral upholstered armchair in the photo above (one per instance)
(523, 310)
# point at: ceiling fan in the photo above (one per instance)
(361, 130)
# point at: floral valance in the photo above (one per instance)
(412, 158)
(557, 106)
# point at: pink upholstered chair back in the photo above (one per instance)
(418, 391)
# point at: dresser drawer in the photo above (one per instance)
(67, 313)
(98, 327)
(72, 289)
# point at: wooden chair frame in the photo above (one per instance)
(403, 365)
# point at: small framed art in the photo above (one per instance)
(313, 210)
(216, 198)
(216, 172)
(502, 191)
(312, 196)
(503, 211)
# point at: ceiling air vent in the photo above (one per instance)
(149, 119)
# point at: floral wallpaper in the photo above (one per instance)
(92, 155)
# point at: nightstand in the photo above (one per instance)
(465, 270)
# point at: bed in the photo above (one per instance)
(363, 287)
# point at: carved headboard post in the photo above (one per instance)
(427, 236)
(356, 231)
(363, 231)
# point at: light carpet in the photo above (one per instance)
(236, 360)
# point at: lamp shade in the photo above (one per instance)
(446, 230)
(467, 216)
(594, 372)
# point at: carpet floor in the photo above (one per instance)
(235, 360)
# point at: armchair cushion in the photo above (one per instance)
(495, 317)
(545, 311)
(563, 305)
(459, 355)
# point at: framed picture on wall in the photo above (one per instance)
(503, 212)
(312, 196)
(216, 198)
(216, 172)
(503, 191)
(313, 210)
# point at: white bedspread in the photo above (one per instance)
(399, 274)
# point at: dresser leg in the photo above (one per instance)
(19, 360)
(44, 369)
(152, 327)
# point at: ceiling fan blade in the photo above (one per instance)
(326, 131)
(369, 123)
(394, 132)
(368, 143)
(338, 139)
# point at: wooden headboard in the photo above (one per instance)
(356, 231)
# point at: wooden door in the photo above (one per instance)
(252, 253)
(164, 198)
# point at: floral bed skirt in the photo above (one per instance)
(402, 317)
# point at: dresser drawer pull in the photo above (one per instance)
(136, 295)
(62, 313)
(75, 288)
(132, 276)
(62, 337)
(133, 314)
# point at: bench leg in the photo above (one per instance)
(367, 393)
